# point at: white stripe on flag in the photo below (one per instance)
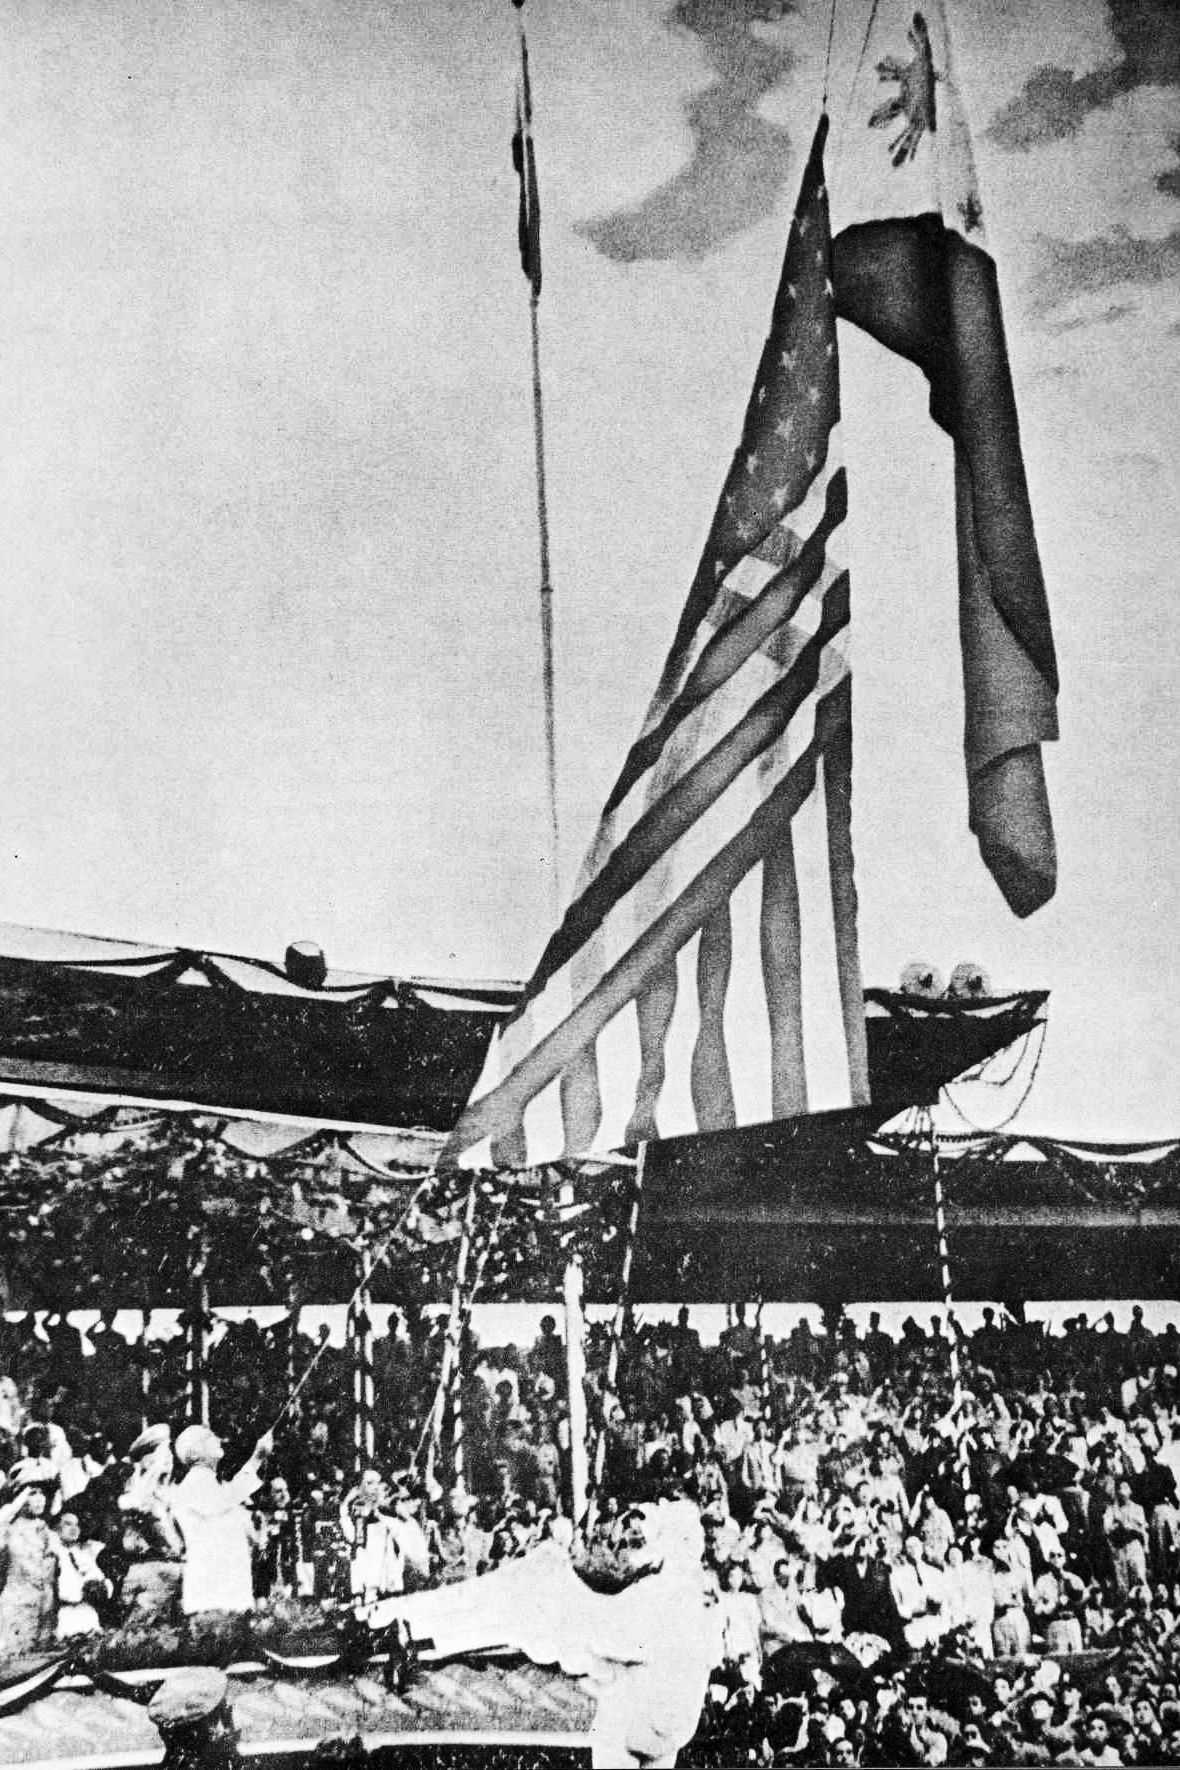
(747, 1018)
(544, 1127)
(617, 1050)
(480, 1154)
(541, 1016)
(675, 1115)
(826, 1054)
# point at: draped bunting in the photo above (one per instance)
(94, 1200)
(91, 1200)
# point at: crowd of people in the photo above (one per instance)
(902, 1568)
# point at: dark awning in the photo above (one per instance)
(221, 1031)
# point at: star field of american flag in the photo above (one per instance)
(795, 402)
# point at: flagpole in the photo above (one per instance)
(530, 248)
(575, 1381)
(546, 611)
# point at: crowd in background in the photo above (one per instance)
(901, 1571)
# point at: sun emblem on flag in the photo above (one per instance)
(914, 100)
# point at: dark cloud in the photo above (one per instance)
(1137, 463)
(1169, 181)
(1108, 317)
(1056, 372)
(1054, 103)
(739, 161)
(1067, 268)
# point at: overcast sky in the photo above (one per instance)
(270, 659)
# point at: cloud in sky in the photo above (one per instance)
(1117, 311)
(1067, 268)
(739, 161)
(1054, 105)
(1054, 102)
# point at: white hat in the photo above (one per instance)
(193, 1444)
(148, 1439)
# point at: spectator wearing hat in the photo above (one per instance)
(147, 1496)
(191, 1710)
(28, 1565)
(35, 1468)
(1036, 1739)
(215, 1524)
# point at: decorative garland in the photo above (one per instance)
(94, 1212)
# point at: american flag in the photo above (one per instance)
(706, 973)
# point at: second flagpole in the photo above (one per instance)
(530, 249)
(529, 234)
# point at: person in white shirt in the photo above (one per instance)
(215, 1524)
(919, 1591)
(12, 1410)
(1169, 1452)
(410, 1538)
(971, 1596)
(79, 1579)
(376, 1562)
(780, 1606)
(741, 1628)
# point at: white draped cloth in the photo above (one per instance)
(645, 1652)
